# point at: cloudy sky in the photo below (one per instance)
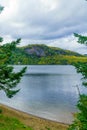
(50, 22)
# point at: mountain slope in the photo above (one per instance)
(43, 50)
(42, 54)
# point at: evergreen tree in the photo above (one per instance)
(80, 122)
(8, 78)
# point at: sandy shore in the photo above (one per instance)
(36, 123)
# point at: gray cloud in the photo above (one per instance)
(43, 19)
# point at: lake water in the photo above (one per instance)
(47, 91)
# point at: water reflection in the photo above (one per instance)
(47, 91)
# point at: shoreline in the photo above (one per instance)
(32, 120)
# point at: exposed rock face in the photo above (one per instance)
(35, 50)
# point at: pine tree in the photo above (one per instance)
(80, 122)
(8, 78)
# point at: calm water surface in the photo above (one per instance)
(47, 91)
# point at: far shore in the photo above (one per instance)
(35, 122)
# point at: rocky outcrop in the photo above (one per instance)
(35, 51)
(41, 50)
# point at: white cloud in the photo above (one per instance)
(69, 43)
(9, 11)
(44, 20)
(50, 5)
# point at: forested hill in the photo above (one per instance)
(42, 54)
(43, 51)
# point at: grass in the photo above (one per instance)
(24, 121)
(9, 123)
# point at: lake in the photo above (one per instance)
(47, 91)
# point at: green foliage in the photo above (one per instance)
(42, 54)
(82, 68)
(1, 8)
(1, 39)
(80, 122)
(47, 128)
(8, 123)
(8, 78)
(81, 39)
